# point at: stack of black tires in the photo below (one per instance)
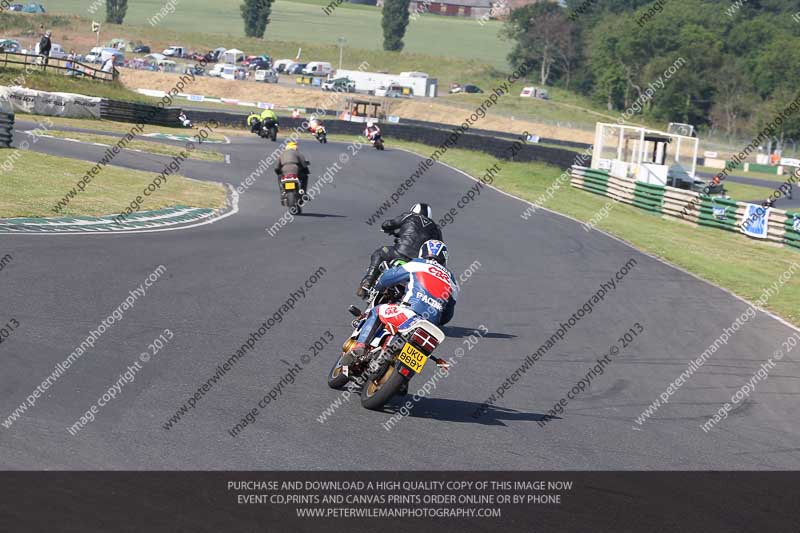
(6, 129)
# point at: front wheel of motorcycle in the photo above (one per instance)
(379, 389)
(336, 379)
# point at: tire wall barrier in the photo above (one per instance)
(697, 208)
(6, 129)
(139, 113)
(433, 137)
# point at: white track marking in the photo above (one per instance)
(620, 240)
(233, 211)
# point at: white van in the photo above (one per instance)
(318, 68)
(57, 51)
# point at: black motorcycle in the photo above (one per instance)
(290, 192)
(269, 130)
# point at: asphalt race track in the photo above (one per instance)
(223, 280)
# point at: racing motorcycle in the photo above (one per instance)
(377, 142)
(321, 134)
(269, 130)
(290, 192)
(184, 120)
(392, 358)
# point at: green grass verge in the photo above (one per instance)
(37, 181)
(742, 173)
(747, 193)
(113, 127)
(151, 147)
(729, 260)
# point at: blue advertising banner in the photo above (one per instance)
(756, 221)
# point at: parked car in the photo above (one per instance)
(281, 64)
(16, 7)
(266, 75)
(318, 68)
(297, 68)
(216, 70)
(394, 91)
(339, 84)
(141, 49)
(231, 72)
(94, 55)
(174, 51)
(10, 45)
(34, 8)
(260, 63)
(197, 70)
(471, 89)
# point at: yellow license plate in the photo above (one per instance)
(412, 358)
(289, 186)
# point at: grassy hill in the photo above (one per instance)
(305, 21)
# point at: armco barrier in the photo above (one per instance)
(138, 113)
(701, 209)
(6, 129)
(499, 148)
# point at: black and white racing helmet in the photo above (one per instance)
(422, 209)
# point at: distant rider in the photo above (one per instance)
(185, 122)
(267, 115)
(292, 161)
(411, 230)
(314, 125)
(372, 131)
(254, 121)
(431, 293)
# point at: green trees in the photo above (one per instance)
(542, 36)
(736, 71)
(115, 11)
(255, 14)
(395, 21)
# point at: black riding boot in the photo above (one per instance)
(368, 281)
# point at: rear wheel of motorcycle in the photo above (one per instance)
(378, 390)
(336, 379)
(274, 135)
(292, 199)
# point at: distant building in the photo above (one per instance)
(451, 8)
(476, 9)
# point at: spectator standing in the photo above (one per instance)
(45, 44)
(108, 65)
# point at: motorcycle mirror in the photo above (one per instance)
(355, 311)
